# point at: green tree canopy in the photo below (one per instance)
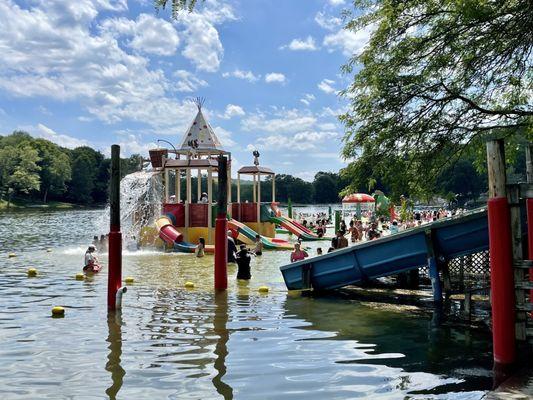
(434, 78)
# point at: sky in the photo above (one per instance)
(98, 72)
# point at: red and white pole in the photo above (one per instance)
(501, 258)
(221, 227)
(114, 279)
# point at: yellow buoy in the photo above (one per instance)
(58, 311)
(80, 277)
(129, 279)
(263, 289)
(32, 272)
(11, 255)
(189, 285)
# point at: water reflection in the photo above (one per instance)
(221, 350)
(114, 338)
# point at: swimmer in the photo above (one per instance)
(91, 261)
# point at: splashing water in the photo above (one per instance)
(141, 196)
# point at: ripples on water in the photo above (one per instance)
(175, 343)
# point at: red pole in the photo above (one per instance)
(501, 281)
(529, 206)
(114, 279)
(221, 228)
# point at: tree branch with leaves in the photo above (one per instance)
(435, 78)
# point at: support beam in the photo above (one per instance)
(254, 197)
(167, 186)
(188, 197)
(221, 228)
(114, 277)
(178, 185)
(273, 188)
(501, 272)
(209, 202)
(199, 186)
(238, 188)
(259, 203)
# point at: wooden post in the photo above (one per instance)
(199, 186)
(254, 190)
(259, 203)
(221, 228)
(238, 188)
(178, 185)
(529, 208)
(501, 271)
(210, 202)
(273, 188)
(167, 186)
(114, 279)
(188, 198)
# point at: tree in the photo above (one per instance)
(325, 187)
(83, 174)
(55, 168)
(23, 175)
(435, 77)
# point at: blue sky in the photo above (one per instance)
(98, 72)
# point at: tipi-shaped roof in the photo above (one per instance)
(200, 135)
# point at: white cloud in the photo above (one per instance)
(349, 42)
(326, 87)
(50, 50)
(148, 34)
(336, 2)
(240, 74)
(44, 132)
(301, 141)
(301, 44)
(233, 110)
(203, 46)
(307, 99)
(286, 121)
(328, 22)
(187, 81)
(225, 137)
(131, 143)
(275, 77)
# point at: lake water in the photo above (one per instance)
(174, 343)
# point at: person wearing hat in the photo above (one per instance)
(91, 261)
(243, 263)
(232, 248)
(203, 198)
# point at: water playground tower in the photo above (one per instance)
(190, 205)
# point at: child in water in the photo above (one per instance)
(91, 261)
(200, 247)
(243, 263)
(258, 249)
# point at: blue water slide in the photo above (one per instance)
(410, 249)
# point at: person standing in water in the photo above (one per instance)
(232, 248)
(243, 263)
(258, 249)
(298, 254)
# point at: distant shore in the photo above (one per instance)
(18, 204)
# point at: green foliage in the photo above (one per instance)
(436, 77)
(31, 167)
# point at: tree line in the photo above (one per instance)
(38, 170)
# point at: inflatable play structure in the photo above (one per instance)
(189, 213)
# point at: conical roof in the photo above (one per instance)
(200, 135)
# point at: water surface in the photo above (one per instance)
(174, 343)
